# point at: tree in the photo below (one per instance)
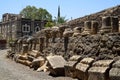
(60, 20)
(49, 24)
(43, 14)
(32, 12)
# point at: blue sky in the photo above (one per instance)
(69, 8)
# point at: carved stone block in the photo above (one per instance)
(100, 70)
(56, 65)
(82, 68)
(114, 74)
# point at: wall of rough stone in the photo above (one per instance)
(99, 46)
(114, 11)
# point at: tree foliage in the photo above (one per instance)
(50, 24)
(60, 20)
(32, 12)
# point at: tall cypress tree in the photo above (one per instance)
(58, 17)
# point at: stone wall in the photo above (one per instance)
(114, 11)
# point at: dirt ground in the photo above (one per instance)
(10, 70)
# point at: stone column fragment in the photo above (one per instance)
(115, 24)
(94, 28)
(87, 27)
(106, 25)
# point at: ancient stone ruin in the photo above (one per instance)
(91, 52)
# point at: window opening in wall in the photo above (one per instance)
(37, 28)
(26, 28)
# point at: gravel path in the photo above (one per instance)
(9, 70)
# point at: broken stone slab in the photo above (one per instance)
(75, 58)
(82, 68)
(38, 62)
(84, 64)
(100, 70)
(56, 61)
(43, 68)
(56, 65)
(70, 70)
(20, 57)
(30, 58)
(24, 62)
(34, 53)
(116, 64)
(87, 61)
(114, 74)
(102, 63)
(98, 73)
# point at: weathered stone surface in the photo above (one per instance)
(77, 31)
(24, 62)
(75, 58)
(116, 64)
(97, 69)
(87, 61)
(115, 24)
(114, 11)
(94, 27)
(100, 68)
(82, 68)
(87, 28)
(56, 65)
(102, 63)
(68, 32)
(114, 74)
(98, 73)
(34, 53)
(71, 63)
(84, 64)
(25, 48)
(56, 61)
(38, 62)
(106, 24)
(43, 67)
(70, 69)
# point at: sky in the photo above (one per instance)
(71, 9)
